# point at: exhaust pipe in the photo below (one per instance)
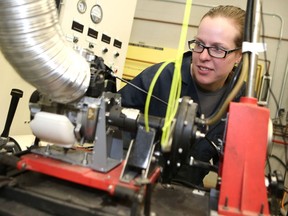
(32, 41)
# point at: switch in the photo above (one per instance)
(105, 50)
(116, 54)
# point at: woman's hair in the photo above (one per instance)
(236, 14)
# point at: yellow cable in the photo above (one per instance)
(175, 85)
(176, 82)
(149, 94)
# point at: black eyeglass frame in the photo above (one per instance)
(226, 52)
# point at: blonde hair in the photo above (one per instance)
(231, 12)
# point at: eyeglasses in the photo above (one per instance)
(213, 51)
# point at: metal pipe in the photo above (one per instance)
(283, 85)
(280, 37)
(267, 73)
(32, 41)
(250, 92)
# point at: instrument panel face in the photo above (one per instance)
(96, 14)
(81, 6)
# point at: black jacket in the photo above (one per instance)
(133, 98)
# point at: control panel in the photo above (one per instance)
(100, 26)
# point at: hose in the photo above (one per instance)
(32, 41)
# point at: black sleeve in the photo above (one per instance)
(131, 97)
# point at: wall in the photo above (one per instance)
(9, 80)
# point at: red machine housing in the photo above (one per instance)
(79, 174)
(242, 190)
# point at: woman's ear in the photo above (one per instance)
(238, 58)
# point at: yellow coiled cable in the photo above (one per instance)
(175, 86)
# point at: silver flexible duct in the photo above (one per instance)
(32, 41)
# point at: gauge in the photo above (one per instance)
(81, 6)
(96, 14)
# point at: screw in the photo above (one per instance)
(262, 209)
(47, 149)
(226, 202)
(191, 161)
(85, 159)
(23, 165)
(110, 188)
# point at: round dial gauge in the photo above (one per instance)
(81, 6)
(96, 14)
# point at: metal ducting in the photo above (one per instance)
(32, 41)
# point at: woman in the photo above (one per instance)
(216, 52)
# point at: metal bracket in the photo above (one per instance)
(139, 155)
(108, 145)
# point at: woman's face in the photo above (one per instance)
(209, 72)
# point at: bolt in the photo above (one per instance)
(262, 209)
(47, 149)
(226, 202)
(85, 159)
(191, 161)
(110, 188)
(23, 165)
(140, 197)
(198, 135)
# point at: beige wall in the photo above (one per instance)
(9, 80)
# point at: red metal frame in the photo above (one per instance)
(242, 190)
(78, 174)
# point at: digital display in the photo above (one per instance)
(117, 43)
(106, 39)
(77, 27)
(92, 33)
